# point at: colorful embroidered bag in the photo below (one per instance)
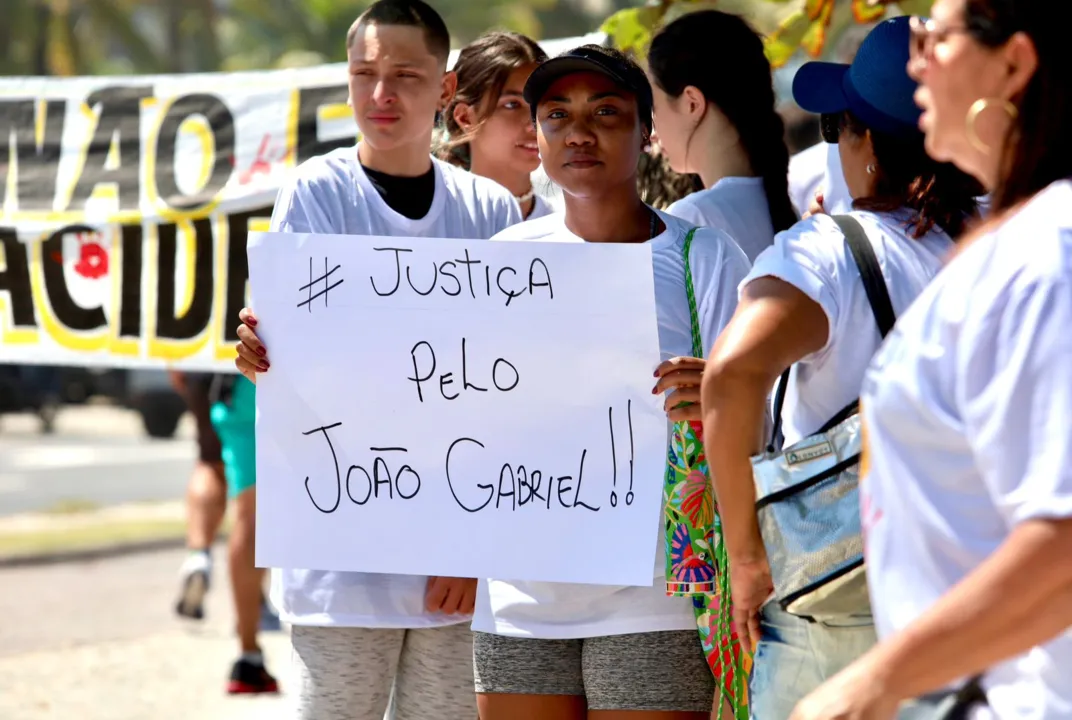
(696, 562)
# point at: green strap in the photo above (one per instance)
(694, 315)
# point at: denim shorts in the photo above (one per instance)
(795, 656)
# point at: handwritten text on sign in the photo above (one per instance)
(460, 408)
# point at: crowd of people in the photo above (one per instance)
(878, 372)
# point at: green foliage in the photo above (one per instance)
(788, 25)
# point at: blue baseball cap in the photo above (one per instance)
(876, 87)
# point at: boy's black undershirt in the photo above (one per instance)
(410, 197)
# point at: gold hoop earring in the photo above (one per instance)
(975, 111)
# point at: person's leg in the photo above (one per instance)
(247, 580)
(345, 673)
(435, 675)
(795, 656)
(206, 499)
(528, 679)
(647, 676)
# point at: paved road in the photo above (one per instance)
(97, 641)
(99, 455)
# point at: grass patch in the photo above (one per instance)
(71, 506)
(89, 537)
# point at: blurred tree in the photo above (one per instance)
(789, 25)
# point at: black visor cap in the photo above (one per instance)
(625, 75)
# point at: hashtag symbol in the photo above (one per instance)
(328, 285)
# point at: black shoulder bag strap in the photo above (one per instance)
(878, 296)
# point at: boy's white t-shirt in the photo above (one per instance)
(813, 257)
(735, 205)
(331, 194)
(967, 408)
(561, 610)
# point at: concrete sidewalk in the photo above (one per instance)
(98, 641)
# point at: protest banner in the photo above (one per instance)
(125, 204)
(457, 407)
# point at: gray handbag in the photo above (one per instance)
(808, 494)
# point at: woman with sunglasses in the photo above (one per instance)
(566, 651)
(804, 307)
(968, 491)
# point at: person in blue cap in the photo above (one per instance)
(804, 308)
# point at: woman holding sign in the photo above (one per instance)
(552, 650)
(491, 133)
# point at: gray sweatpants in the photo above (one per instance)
(348, 673)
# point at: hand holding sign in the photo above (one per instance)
(456, 409)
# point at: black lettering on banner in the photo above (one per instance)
(310, 100)
(131, 299)
(119, 113)
(38, 164)
(512, 494)
(221, 123)
(417, 377)
(238, 268)
(450, 483)
(495, 375)
(450, 273)
(368, 481)
(15, 279)
(545, 282)
(68, 312)
(338, 478)
(198, 315)
(577, 502)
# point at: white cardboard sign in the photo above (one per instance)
(458, 408)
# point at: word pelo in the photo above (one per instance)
(504, 376)
(508, 282)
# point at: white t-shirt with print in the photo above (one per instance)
(332, 194)
(813, 257)
(561, 610)
(967, 408)
(737, 206)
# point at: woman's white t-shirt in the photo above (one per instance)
(332, 194)
(560, 610)
(814, 169)
(540, 208)
(813, 257)
(968, 410)
(735, 205)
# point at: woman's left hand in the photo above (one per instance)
(682, 376)
(856, 693)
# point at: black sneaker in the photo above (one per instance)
(249, 678)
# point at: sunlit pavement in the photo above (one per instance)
(99, 641)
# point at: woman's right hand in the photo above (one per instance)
(252, 355)
(750, 587)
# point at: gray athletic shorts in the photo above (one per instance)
(657, 671)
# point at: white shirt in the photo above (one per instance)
(813, 257)
(560, 610)
(737, 206)
(814, 169)
(967, 408)
(332, 194)
(540, 208)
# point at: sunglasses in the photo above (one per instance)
(830, 127)
(925, 34)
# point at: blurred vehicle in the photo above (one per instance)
(31, 388)
(151, 395)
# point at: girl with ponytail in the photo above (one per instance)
(715, 117)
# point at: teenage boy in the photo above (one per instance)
(358, 635)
